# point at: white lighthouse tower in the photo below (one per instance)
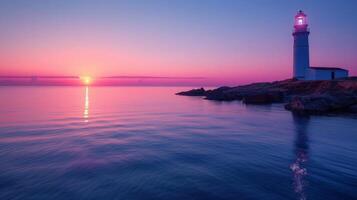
(301, 46)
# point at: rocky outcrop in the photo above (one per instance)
(194, 92)
(222, 94)
(353, 109)
(323, 103)
(264, 98)
(313, 97)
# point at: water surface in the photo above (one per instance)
(146, 143)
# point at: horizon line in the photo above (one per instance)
(100, 77)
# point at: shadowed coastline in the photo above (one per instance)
(305, 97)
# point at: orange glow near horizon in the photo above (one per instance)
(86, 80)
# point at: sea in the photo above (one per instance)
(146, 143)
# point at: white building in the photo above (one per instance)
(302, 69)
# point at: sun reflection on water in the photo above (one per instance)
(86, 106)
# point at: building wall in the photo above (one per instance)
(318, 74)
(341, 74)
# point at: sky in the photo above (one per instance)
(225, 41)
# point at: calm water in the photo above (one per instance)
(146, 143)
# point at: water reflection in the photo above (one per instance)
(301, 156)
(86, 105)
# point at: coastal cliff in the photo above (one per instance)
(307, 97)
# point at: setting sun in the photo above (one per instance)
(86, 80)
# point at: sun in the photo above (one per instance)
(86, 80)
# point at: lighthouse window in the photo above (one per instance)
(300, 21)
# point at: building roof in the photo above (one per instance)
(328, 68)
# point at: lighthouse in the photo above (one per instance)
(301, 46)
(301, 66)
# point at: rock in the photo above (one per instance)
(353, 108)
(263, 98)
(307, 105)
(222, 94)
(194, 92)
(319, 104)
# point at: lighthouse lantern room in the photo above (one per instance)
(301, 19)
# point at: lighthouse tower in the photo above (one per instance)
(301, 46)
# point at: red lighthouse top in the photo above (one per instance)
(301, 21)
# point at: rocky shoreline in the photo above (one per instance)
(305, 97)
